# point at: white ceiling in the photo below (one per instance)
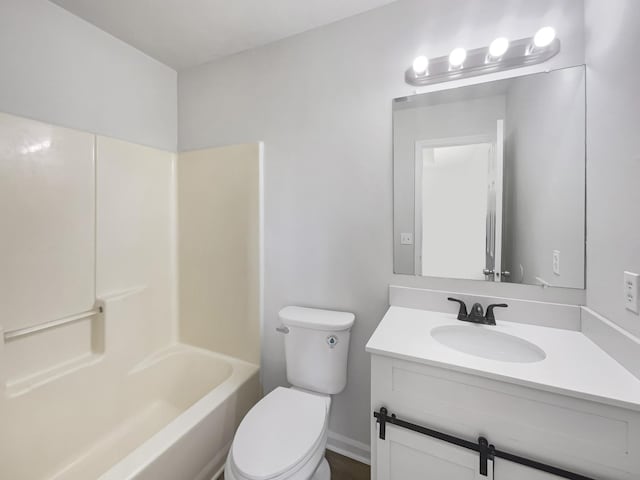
(184, 33)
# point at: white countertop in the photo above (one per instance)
(574, 365)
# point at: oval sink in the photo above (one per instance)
(486, 343)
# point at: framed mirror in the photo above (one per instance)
(489, 181)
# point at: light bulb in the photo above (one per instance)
(420, 65)
(544, 37)
(457, 57)
(498, 47)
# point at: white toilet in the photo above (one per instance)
(284, 435)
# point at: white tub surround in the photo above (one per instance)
(219, 249)
(93, 380)
(560, 399)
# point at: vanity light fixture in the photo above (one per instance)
(544, 37)
(457, 58)
(497, 49)
(421, 66)
(500, 55)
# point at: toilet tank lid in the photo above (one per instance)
(316, 318)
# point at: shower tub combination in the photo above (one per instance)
(171, 417)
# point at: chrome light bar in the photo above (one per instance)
(520, 53)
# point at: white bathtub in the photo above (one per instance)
(171, 417)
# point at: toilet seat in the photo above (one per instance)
(281, 434)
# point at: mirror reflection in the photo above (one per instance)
(489, 181)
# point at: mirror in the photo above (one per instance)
(489, 181)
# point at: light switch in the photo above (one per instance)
(631, 291)
(406, 239)
(556, 262)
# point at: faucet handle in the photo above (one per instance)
(491, 319)
(462, 313)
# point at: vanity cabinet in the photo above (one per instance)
(593, 439)
(408, 455)
(505, 470)
(404, 454)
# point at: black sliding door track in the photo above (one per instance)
(482, 446)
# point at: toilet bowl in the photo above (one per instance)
(283, 437)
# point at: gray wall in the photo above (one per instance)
(60, 69)
(545, 177)
(613, 152)
(321, 101)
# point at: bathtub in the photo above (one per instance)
(171, 417)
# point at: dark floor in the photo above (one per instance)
(343, 468)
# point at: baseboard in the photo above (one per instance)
(348, 447)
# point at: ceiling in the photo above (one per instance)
(185, 33)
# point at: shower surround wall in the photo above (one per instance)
(97, 223)
(219, 249)
(91, 224)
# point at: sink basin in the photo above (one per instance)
(486, 343)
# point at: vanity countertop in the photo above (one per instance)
(574, 365)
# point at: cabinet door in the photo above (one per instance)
(505, 470)
(406, 455)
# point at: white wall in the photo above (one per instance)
(545, 178)
(321, 101)
(613, 151)
(60, 69)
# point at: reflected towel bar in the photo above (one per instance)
(20, 332)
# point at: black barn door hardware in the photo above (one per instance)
(485, 450)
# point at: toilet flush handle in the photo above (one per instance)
(282, 329)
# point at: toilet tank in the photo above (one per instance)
(316, 348)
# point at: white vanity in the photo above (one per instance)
(546, 394)
(489, 186)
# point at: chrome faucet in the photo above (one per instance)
(477, 315)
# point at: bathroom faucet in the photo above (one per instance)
(477, 315)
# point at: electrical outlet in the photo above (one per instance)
(631, 291)
(406, 239)
(556, 262)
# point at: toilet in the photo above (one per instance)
(283, 437)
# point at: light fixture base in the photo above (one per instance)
(519, 54)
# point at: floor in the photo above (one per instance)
(343, 468)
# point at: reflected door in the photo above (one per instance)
(493, 247)
(456, 209)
